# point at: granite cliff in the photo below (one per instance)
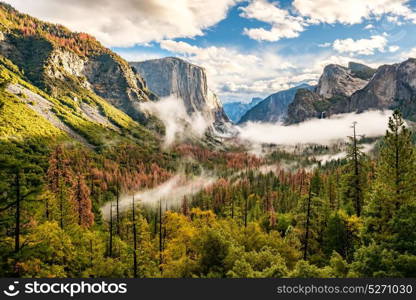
(188, 82)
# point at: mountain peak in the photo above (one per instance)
(175, 76)
(338, 80)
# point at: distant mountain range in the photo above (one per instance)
(88, 84)
(274, 107)
(235, 110)
(358, 88)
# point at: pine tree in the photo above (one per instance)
(81, 197)
(394, 185)
(21, 182)
(134, 238)
(397, 165)
(60, 178)
(313, 213)
(355, 177)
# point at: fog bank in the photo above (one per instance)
(179, 124)
(319, 131)
(171, 193)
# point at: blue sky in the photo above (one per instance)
(249, 48)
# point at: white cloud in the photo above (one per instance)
(128, 22)
(131, 55)
(352, 11)
(320, 131)
(283, 25)
(231, 72)
(234, 75)
(289, 24)
(361, 46)
(394, 48)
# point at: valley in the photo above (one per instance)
(117, 169)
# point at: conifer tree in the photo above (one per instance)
(81, 197)
(355, 177)
(394, 185)
(60, 180)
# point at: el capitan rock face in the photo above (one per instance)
(174, 76)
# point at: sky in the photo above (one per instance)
(248, 48)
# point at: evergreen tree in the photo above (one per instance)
(396, 169)
(81, 197)
(355, 175)
(394, 185)
(60, 179)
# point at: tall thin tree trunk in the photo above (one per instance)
(232, 207)
(118, 209)
(79, 200)
(308, 217)
(110, 250)
(47, 209)
(17, 228)
(61, 206)
(160, 236)
(357, 194)
(245, 211)
(134, 241)
(91, 254)
(397, 166)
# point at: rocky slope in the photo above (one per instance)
(336, 87)
(274, 107)
(393, 86)
(56, 59)
(59, 85)
(338, 81)
(173, 76)
(305, 106)
(235, 110)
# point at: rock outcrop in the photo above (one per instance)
(393, 86)
(274, 107)
(336, 87)
(306, 105)
(338, 81)
(188, 82)
(56, 59)
(341, 90)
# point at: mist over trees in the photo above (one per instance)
(353, 218)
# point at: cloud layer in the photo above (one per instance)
(289, 23)
(319, 131)
(178, 123)
(235, 72)
(128, 22)
(361, 46)
(283, 25)
(351, 11)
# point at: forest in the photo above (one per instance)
(354, 217)
(72, 145)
